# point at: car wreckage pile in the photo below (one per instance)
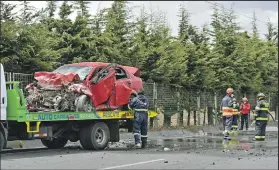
(58, 92)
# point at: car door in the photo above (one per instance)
(3, 94)
(102, 85)
(122, 88)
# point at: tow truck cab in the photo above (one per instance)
(3, 107)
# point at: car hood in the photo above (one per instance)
(51, 80)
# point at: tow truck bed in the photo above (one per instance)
(66, 116)
(93, 129)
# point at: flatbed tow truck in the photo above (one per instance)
(94, 130)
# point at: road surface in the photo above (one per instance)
(179, 153)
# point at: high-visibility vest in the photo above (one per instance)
(227, 111)
(235, 111)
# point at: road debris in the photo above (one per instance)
(166, 149)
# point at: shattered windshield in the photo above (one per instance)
(82, 71)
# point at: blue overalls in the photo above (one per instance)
(140, 105)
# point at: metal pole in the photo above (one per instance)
(199, 108)
(215, 108)
(276, 113)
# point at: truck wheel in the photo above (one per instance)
(55, 143)
(95, 137)
(2, 141)
(83, 133)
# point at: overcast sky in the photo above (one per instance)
(200, 11)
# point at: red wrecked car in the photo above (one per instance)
(83, 87)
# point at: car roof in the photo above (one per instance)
(92, 64)
(133, 70)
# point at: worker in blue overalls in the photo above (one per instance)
(140, 105)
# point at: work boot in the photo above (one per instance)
(138, 146)
(144, 145)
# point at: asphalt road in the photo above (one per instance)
(179, 153)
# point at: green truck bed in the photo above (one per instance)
(16, 110)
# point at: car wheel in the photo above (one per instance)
(84, 104)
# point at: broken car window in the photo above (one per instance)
(120, 74)
(82, 71)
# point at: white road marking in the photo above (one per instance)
(145, 162)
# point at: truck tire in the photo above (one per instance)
(95, 136)
(2, 141)
(83, 133)
(55, 143)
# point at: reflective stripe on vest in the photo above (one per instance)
(262, 118)
(141, 110)
(235, 111)
(263, 109)
(227, 111)
(260, 137)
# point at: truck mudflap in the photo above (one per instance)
(67, 116)
(37, 132)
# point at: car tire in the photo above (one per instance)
(2, 141)
(56, 143)
(84, 104)
(95, 136)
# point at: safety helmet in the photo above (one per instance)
(244, 99)
(229, 91)
(260, 96)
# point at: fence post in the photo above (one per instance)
(10, 76)
(179, 115)
(269, 101)
(154, 120)
(215, 109)
(276, 113)
(199, 109)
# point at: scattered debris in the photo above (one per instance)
(166, 149)
(166, 162)
(213, 163)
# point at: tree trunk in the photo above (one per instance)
(195, 117)
(204, 114)
(189, 117)
(181, 118)
(151, 125)
(167, 121)
(210, 115)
